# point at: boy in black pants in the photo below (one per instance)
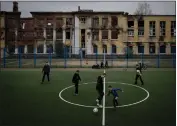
(75, 80)
(99, 88)
(138, 74)
(46, 71)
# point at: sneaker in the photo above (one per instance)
(75, 94)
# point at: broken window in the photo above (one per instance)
(59, 22)
(95, 22)
(59, 33)
(130, 28)
(173, 28)
(49, 33)
(39, 22)
(114, 21)
(162, 28)
(68, 21)
(49, 22)
(105, 21)
(95, 35)
(82, 19)
(152, 28)
(39, 34)
(104, 34)
(140, 28)
(114, 34)
(68, 35)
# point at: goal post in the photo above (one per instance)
(104, 91)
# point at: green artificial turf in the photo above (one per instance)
(25, 102)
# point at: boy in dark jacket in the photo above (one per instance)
(99, 88)
(46, 71)
(75, 80)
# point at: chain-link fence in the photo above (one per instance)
(80, 58)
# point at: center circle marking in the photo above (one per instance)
(87, 106)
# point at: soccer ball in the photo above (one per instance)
(95, 110)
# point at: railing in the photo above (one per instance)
(68, 57)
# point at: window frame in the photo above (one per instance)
(152, 28)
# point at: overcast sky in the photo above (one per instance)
(164, 8)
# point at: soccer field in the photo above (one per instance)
(26, 102)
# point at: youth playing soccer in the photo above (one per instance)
(46, 71)
(75, 80)
(99, 88)
(113, 91)
(138, 74)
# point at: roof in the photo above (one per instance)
(79, 12)
(90, 12)
(153, 15)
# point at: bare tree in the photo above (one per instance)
(143, 9)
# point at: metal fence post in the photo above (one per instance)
(50, 57)
(64, 56)
(111, 57)
(4, 58)
(80, 57)
(174, 60)
(142, 55)
(35, 57)
(127, 55)
(159, 59)
(19, 57)
(96, 57)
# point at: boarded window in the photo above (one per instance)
(59, 34)
(114, 21)
(104, 34)
(140, 28)
(114, 34)
(49, 33)
(68, 34)
(59, 22)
